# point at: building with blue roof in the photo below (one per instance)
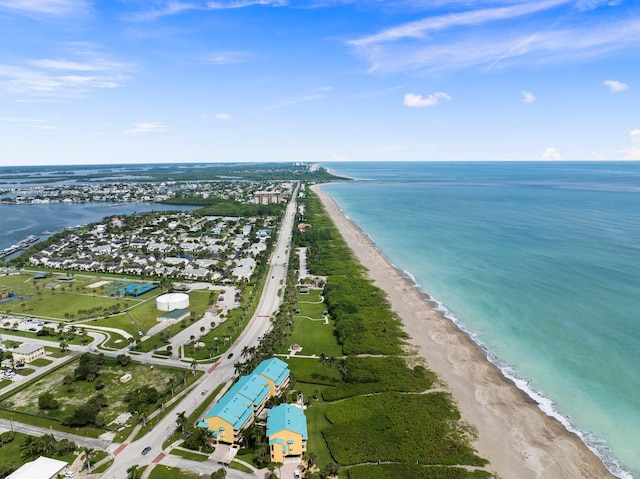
(276, 371)
(255, 388)
(228, 417)
(287, 432)
(239, 406)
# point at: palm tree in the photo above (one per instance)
(323, 360)
(88, 456)
(132, 472)
(28, 447)
(182, 420)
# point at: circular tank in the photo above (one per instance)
(171, 301)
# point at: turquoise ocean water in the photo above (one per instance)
(539, 262)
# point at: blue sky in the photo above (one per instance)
(85, 81)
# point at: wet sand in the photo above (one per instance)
(518, 439)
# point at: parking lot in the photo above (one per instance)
(25, 324)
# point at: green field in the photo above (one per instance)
(71, 301)
(25, 400)
(315, 337)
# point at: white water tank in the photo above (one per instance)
(171, 301)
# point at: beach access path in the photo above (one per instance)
(518, 438)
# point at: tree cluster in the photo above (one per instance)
(89, 367)
(140, 399)
(46, 445)
(88, 413)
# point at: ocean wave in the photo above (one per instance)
(597, 445)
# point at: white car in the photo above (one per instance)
(69, 474)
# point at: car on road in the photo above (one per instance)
(204, 392)
(230, 355)
(146, 450)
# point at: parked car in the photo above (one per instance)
(69, 474)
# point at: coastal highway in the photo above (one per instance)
(223, 371)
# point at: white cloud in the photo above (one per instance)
(528, 97)
(19, 120)
(63, 64)
(48, 7)
(245, 3)
(32, 122)
(223, 116)
(226, 58)
(413, 100)
(420, 49)
(615, 86)
(61, 78)
(151, 127)
(420, 28)
(297, 99)
(633, 153)
(171, 7)
(551, 154)
(176, 7)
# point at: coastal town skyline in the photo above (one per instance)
(275, 80)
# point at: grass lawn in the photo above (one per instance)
(62, 305)
(26, 400)
(4, 382)
(240, 467)
(40, 362)
(311, 371)
(55, 352)
(315, 337)
(55, 340)
(97, 457)
(115, 341)
(191, 455)
(316, 421)
(164, 472)
(118, 321)
(104, 467)
(10, 452)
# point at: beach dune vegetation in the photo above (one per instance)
(394, 427)
(375, 413)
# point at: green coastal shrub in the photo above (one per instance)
(414, 471)
(393, 427)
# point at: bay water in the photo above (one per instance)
(19, 221)
(539, 262)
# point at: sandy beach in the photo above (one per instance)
(518, 439)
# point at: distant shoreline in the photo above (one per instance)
(515, 435)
